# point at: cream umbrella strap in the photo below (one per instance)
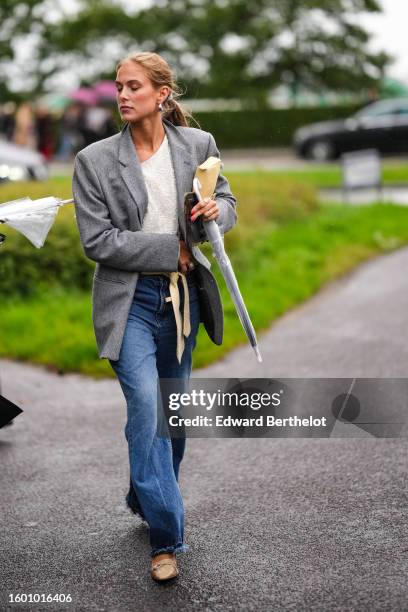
(182, 323)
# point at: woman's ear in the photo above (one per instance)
(165, 91)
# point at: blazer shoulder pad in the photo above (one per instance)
(196, 133)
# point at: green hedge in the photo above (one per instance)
(265, 128)
(25, 270)
(257, 128)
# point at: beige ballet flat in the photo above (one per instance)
(164, 567)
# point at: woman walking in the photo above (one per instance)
(150, 291)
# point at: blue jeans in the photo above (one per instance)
(149, 351)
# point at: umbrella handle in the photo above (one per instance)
(211, 227)
(196, 188)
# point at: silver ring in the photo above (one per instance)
(191, 266)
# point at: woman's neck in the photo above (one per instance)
(147, 135)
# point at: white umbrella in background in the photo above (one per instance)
(32, 218)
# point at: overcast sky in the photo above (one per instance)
(391, 34)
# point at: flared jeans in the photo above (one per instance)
(148, 352)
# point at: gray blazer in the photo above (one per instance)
(111, 201)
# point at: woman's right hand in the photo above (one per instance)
(185, 262)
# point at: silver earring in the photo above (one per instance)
(160, 107)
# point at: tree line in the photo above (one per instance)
(220, 48)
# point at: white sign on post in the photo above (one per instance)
(361, 169)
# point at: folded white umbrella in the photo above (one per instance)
(216, 240)
(32, 218)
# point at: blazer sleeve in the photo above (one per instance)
(223, 196)
(102, 242)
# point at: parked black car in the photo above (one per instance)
(381, 125)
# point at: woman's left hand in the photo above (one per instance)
(208, 208)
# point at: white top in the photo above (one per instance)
(161, 215)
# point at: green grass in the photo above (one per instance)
(319, 176)
(278, 266)
(52, 329)
(59, 186)
(394, 173)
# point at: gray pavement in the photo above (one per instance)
(272, 524)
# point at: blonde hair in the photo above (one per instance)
(159, 73)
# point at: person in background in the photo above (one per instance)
(98, 123)
(44, 131)
(24, 129)
(7, 120)
(71, 139)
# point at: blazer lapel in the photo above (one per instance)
(181, 156)
(131, 170)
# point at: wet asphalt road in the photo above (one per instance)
(272, 524)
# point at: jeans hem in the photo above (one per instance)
(176, 548)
